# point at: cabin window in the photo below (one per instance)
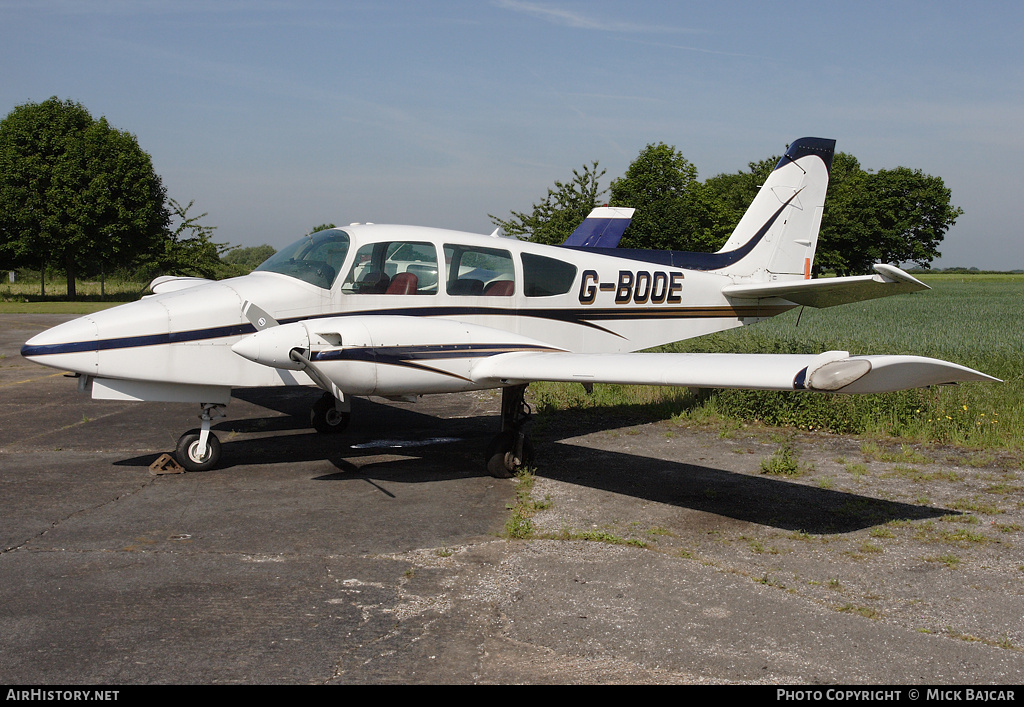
(316, 258)
(487, 272)
(393, 268)
(544, 276)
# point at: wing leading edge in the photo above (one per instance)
(832, 371)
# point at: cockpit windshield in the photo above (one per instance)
(316, 258)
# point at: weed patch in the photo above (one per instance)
(783, 462)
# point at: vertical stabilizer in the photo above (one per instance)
(776, 238)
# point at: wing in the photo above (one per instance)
(832, 371)
(385, 355)
(830, 291)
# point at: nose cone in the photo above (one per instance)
(272, 347)
(81, 344)
(71, 346)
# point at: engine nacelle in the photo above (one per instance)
(385, 355)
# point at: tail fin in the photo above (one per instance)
(776, 238)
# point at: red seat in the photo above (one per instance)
(501, 288)
(404, 283)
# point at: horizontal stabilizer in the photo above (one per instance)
(603, 228)
(833, 371)
(830, 291)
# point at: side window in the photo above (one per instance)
(543, 276)
(479, 271)
(393, 268)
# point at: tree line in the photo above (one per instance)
(80, 196)
(897, 215)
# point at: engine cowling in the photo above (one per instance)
(385, 355)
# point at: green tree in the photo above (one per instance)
(75, 191)
(844, 238)
(189, 249)
(248, 259)
(675, 211)
(736, 191)
(554, 218)
(895, 215)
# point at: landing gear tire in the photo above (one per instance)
(511, 450)
(187, 452)
(325, 417)
(506, 457)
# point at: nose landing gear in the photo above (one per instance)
(199, 449)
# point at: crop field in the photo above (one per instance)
(973, 320)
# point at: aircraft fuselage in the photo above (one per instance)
(513, 293)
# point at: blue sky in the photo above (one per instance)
(276, 116)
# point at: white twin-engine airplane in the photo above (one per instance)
(400, 311)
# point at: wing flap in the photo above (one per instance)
(832, 371)
(831, 291)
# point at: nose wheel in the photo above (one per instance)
(194, 457)
(199, 450)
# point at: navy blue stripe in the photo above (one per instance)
(687, 260)
(410, 356)
(391, 354)
(128, 342)
(577, 315)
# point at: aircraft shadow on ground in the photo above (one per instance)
(405, 446)
(758, 499)
(774, 502)
(402, 444)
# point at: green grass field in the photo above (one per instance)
(24, 297)
(26, 292)
(973, 320)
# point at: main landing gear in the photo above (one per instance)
(199, 450)
(511, 450)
